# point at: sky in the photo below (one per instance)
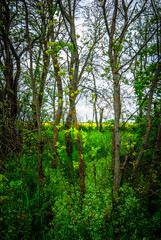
(85, 109)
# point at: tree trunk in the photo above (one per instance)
(58, 113)
(95, 100)
(80, 154)
(36, 100)
(154, 162)
(73, 69)
(148, 123)
(117, 112)
(10, 70)
(101, 118)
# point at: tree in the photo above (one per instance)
(118, 20)
(75, 72)
(152, 75)
(36, 97)
(55, 46)
(11, 53)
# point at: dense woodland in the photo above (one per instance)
(59, 178)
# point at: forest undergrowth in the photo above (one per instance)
(55, 209)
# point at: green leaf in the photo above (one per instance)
(15, 183)
(3, 178)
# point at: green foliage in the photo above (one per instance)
(56, 210)
(130, 218)
(57, 46)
